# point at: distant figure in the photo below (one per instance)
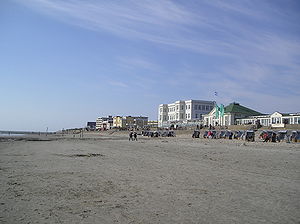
(209, 134)
(287, 138)
(135, 136)
(273, 138)
(266, 137)
(130, 136)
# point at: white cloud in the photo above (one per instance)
(248, 34)
(172, 24)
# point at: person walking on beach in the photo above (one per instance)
(135, 136)
(130, 136)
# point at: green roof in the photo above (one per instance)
(237, 108)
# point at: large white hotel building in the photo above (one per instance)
(183, 111)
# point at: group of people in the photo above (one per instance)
(265, 136)
(210, 134)
(132, 136)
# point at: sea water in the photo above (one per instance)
(5, 135)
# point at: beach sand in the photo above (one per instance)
(107, 179)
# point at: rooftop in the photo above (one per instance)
(237, 108)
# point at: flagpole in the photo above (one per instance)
(215, 96)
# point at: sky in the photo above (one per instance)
(63, 63)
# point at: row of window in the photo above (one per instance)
(175, 117)
(203, 107)
(187, 107)
(274, 120)
(198, 116)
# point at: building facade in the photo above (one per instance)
(183, 111)
(276, 120)
(91, 125)
(130, 121)
(104, 123)
(152, 124)
(140, 122)
(232, 113)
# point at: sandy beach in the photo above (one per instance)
(107, 179)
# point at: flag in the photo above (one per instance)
(217, 114)
(222, 110)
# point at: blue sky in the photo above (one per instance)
(63, 63)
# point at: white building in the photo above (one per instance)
(236, 114)
(278, 120)
(232, 113)
(104, 123)
(183, 111)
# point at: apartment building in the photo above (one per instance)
(104, 123)
(183, 111)
(130, 121)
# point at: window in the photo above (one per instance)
(206, 107)
(196, 115)
(182, 107)
(177, 107)
(211, 107)
(203, 107)
(196, 107)
(189, 106)
(186, 116)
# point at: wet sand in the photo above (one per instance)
(108, 179)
